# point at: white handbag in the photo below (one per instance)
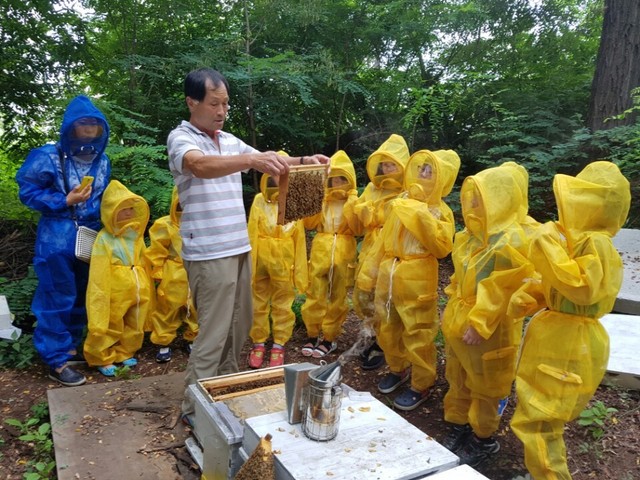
(85, 237)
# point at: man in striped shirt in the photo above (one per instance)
(206, 164)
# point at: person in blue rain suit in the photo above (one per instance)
(49, 182)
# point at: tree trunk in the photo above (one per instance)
(618, 65)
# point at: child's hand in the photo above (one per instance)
(472, 337)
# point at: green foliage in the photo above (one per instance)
(296, 307)
(18, 353)
(10, 206)
(19, 294)
(125, 373)
(36, 432)
(594, 418)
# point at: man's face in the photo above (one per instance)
(211, 112)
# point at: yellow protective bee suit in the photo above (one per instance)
(332, 260)
(173, 305)
(279, 254)
(566, 349)
(490, 265)
(119, 290)
(370, 211)
(418, 230)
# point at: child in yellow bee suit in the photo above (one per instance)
(279, 255)
(385, 168)
(332, 260)
(418, 230)
(173, 305)
(565, 349)
(119, 290)
(481, 336)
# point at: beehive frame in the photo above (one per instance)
(303, 182)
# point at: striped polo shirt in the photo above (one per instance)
(213, 223)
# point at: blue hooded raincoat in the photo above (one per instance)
(44, 180)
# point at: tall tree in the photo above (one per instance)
(618, 65)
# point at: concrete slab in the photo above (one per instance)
(624, 336)
(627, 242)
(120, 429)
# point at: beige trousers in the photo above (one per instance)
(221, 291)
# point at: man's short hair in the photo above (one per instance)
(195, 83)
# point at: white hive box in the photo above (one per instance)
(219, 417)
(623, 368)
(461, 472)
(373, 442)
(7, 330)
(627, 242)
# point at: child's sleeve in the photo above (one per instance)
(434, 233)
(494, 292)
(99, 287)
(158, 251)
(584, 278)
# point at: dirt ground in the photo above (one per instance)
(616, 455)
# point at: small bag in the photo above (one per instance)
(85, 237)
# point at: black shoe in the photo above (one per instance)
(67, 377)
(477, 450)
(391, 381)
(188, 347)
(456, 437)
(163, 355)
(372, 357)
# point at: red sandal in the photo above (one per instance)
(256, 357)
(277, 357)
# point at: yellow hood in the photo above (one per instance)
(395, 150)
(443, 167)
(595, 200)
(491, 200)
(117, 197)
(341, 166)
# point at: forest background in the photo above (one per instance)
(550, 84)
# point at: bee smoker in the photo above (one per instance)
(322, 400)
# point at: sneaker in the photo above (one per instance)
(189, 347)
(391, 381)
(309, 346)
(324, 348)
(410, 399)
(256, 356)
(163, 355)
(107, 370)
(372, 357)
(456, 437)
(129, 362)
(67, 377)
(477, 450)
(276, 359)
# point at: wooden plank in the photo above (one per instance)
(228, 396)
(243, 377)
(96, 436)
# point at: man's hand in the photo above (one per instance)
(78, 195)
(271, 163)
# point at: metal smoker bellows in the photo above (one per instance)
(322, 401)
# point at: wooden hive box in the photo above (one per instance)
(300, 192)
